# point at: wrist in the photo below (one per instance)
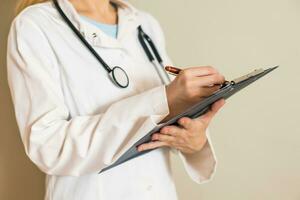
(170, 97)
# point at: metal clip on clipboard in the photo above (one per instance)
(247, 76)
(242, 78)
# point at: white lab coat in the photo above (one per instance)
(73, 121)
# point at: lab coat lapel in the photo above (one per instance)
(72, 14)
(128, 21)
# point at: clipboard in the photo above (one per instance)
(228, 89)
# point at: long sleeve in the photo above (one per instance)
(57, 143)
(202, 165)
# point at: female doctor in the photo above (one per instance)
(77, 111)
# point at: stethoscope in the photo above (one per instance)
(118, 75)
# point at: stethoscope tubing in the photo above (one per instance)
(143, 38)
(78, 34)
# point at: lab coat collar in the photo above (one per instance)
(127, 23)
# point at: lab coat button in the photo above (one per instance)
(94, 35)
(149, 187)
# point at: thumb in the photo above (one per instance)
(215, 107)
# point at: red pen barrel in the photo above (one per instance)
(172, 70)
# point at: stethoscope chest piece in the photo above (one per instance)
(119, 77)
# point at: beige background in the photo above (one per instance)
(256, 136)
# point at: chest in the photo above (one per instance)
(86, 84)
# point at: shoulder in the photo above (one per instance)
(149, 20)
(36, 15)
(151, 26)
(37, 11)
(28, 29)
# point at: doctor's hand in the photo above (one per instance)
(190, 86)
(189, 137)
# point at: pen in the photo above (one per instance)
(172, 70)
(175, 71)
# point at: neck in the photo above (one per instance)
(99, 10)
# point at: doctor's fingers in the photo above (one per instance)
(199, 71)
(207, 117)
(207, 91)
(169, 134)
(171, 141)
(186, 122)
(163, 138)
(152, 145)
(172, 130)
(193, 127)
(207, 81)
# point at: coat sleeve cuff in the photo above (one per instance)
(160, 106)
(200, 166)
